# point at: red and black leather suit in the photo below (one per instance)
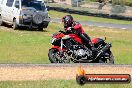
(75, 27)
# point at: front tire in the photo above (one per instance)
(55, 57)
(52, 55)
(1, 22)
(15, 26)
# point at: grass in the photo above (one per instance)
(23, 46)
(130, 1)
(121, 42)
(56, 14)
(57, 84)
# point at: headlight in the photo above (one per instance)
(53, 40)
(66, 37)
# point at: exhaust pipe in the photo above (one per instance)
(106, 47)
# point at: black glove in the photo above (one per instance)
(69, 30)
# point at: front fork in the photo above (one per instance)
(61, 45)
(61, 51)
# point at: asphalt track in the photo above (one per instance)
(66, 65)
(99, 24)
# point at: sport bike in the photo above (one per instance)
(70, 48)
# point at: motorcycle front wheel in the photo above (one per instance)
(54, 57)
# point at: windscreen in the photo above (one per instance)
(38, 5)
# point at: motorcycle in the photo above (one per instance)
(70, 48)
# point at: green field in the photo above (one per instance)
(56, 14)
(21, 46)
(57, 84)
(128, 2)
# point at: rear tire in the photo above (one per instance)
(109, 60)
(46, 24)
(40, 29)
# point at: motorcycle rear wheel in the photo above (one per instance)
(109, 60)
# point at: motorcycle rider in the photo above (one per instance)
(71, 26)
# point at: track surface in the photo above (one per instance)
(99, 24)
(19, 72)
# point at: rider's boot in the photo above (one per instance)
(88, 42)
